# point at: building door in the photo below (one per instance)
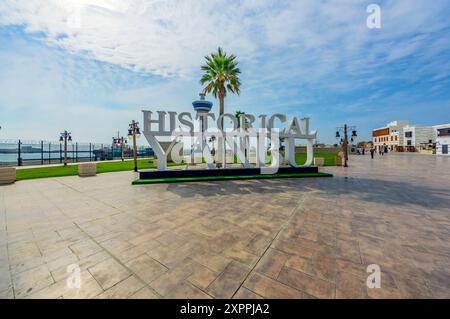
(444, 149)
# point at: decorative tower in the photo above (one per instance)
(201, 107)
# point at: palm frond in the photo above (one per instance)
(221, 74)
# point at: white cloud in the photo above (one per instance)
(171, 37)
(160, 37)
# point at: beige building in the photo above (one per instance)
(390, 136)
(418, 138)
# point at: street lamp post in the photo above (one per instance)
(344, 140)
(65, 136)
(119, 141)
(134, 131)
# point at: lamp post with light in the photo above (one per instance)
(120, 142)
(64, 137)
(134, 132)
(344, 140)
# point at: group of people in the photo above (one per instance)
(372, 151)
(381, 151)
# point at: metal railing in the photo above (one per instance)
(21, 153)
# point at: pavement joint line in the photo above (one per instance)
(87, 194)
(287, 222)
(132, 273)
(7, 246)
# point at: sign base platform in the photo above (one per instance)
(196, 175)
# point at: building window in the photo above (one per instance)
(443, 132)
(408, 134)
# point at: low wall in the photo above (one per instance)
(7, 175)
(87, 169)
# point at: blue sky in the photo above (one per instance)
(92, 66)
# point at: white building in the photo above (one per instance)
(442, 139)
(416, 138)
(390, 136)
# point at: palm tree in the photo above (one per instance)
(238, 116)
(221, 76)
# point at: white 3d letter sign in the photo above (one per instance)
(162, 124)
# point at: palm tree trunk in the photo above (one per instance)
(221, 141)
(222, 100)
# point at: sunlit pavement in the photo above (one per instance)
(288, 238)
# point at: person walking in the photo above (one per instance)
(372, 152)
(363, 151)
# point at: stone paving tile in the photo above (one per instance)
(7, 294)
(169, 255)
(324, 267)
(27, 264)
(349, 250)
(258, 244)
(29, 281)
(56, 252)
(272, 263)
(146, 267)
(349, 286)
(116, 245)
(315, 236)
(384, 292)
(123, 289)
(5, 279)
(71, 233)
(133, 252)
(169, 280)
(23, 251)
(108, 273)
(229, 280)
(185, 290)
(313, 286)
(244, 293)
(413, 288)
(62, 261)
(83, 263)
(85, 248)
(89, 288)
(144, 293)
(271, 289)
(202, 277)
(212, 261)
(301, 264)
(242, 256)
(294, 248)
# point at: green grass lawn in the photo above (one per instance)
(329, 158)
(55, 171)
(104, 167)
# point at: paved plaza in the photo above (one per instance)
(287, 238)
